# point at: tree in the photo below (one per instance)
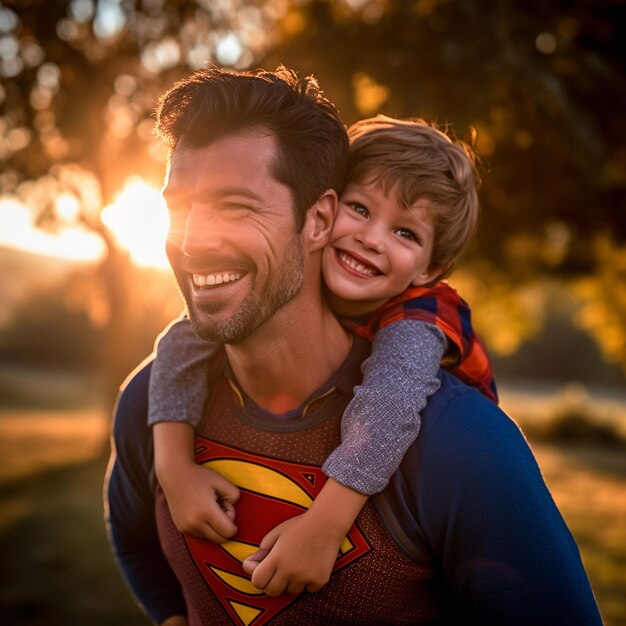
(541, 82)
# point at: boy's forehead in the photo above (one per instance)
(375, 179)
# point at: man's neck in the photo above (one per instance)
(291, 356)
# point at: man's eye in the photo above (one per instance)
(235, 207)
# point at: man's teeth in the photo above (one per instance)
(202, 280)
(359, 267)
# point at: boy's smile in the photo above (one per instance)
(378, 248)
(355, 264)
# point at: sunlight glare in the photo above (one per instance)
(18, 231)
(139, 221)
(67, 207)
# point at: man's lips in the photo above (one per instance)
(358, 264)
(214, 279)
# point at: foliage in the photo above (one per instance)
(541, 82)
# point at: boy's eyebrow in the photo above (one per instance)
(420, 209)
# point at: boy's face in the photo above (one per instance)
(377, 249)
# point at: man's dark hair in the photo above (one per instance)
(312, 141)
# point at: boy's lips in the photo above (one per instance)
(357, 263)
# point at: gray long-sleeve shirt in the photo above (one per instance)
(379, 424)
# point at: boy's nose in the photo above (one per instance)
(370, 238)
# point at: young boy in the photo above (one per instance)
(407, 211)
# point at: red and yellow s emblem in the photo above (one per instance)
(272, 491)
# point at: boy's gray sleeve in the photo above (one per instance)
(179, 379)
(383, 418)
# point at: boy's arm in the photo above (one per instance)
(299, 554)
(441, 306)
(179, 380)
(382, 420)
(200, 500)
(378, 426)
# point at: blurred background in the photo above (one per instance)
(84, 284)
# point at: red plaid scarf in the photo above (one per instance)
(441, 306)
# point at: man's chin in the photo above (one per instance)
(220, 328)
(203, 325)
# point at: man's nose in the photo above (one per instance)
(202, 233)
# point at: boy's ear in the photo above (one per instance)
(430, 275)
(319, 220)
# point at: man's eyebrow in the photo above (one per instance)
(210, 193)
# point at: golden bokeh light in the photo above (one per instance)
(139, 220)
(71, 242)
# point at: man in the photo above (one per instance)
(466, 531)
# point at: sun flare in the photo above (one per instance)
(19, 231)
(139, 220)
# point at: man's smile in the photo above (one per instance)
(216, 278)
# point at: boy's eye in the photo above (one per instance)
(407, 234)
(359, 208)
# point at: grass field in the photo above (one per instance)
(56, 568)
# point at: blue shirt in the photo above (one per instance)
(468, 500)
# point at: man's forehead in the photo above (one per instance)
(248, 134)
(249, 151)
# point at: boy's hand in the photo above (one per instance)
(302, 554)
(201, 502)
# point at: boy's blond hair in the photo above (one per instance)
(417, 160)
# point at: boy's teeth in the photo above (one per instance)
(359, 267)
(201, 280)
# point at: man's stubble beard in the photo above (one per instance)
(258, 306)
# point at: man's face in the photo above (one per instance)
(232, 242)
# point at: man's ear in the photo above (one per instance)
(319, 220)
(431, 275)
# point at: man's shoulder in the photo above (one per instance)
(462, 428)
(468, 451)
(132, 402)
(457, 410)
